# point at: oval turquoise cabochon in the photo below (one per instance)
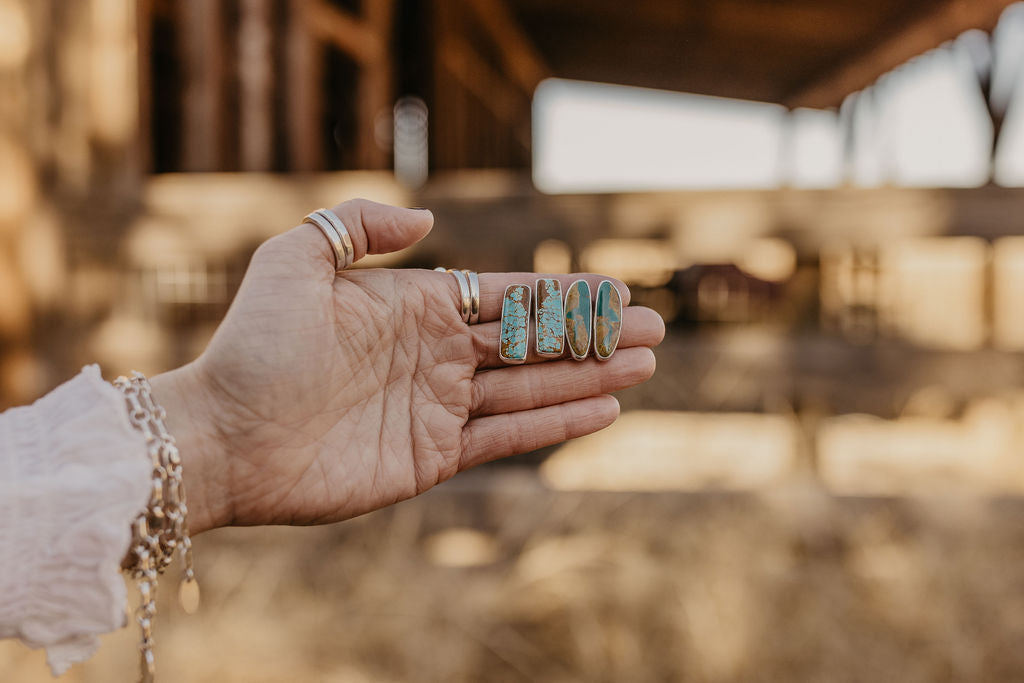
(578, 318)
(607, 320)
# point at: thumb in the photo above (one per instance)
(374, 228)
(379, 228)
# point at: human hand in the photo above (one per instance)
(323, 397)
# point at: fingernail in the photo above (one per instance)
(418, 208)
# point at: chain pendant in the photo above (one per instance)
(147, 666)
(188, 595)
(162, 528)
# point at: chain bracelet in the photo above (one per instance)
(162, 527)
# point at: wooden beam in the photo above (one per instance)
(804, 23)
(346, 32)
(668, 15)
(520, 58)
(946, 22)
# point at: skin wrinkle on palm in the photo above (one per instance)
(515, 319)
(550, 323)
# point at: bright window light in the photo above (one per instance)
(940, 127)
(817, 148)
(922, 125)
(591, 137)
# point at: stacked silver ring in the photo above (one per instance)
(336, 233)
(469, 293)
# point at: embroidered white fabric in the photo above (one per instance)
(73, 476)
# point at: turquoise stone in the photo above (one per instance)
(515, 324)
(607, 320)
(550, 324)
(578, 319)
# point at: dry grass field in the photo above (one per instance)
(493, 577)
(745, 558)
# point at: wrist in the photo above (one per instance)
(204, 459)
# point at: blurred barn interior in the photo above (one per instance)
(823, 480)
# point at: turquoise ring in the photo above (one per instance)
(607, 320)
(579, 319)
(550, 338)
(515, 324)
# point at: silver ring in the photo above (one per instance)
(469, 293)
(465, 294)
(474, 296)
(346, 239)
(332, 236)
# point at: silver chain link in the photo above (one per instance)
(162, 527)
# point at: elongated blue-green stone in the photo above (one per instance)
(578, 319)
(550, 324)
(607, 320)
(515, 324)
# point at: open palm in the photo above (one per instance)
(324, 397)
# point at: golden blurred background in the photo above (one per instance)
(822, 482)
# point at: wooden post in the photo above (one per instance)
(200, 42)
(143, 39)
(440, 142)
(304, 83)
(255, 72)
(374, 95)
(848, 125)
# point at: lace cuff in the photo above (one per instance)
(73, 476)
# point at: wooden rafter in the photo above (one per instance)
(366, 40)
(504, 101)
(616, 12)
(806, 24)
(520, 58)
(348, 33)
(940, 25)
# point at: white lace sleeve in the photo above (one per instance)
(73, 475)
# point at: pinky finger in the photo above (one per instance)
(498, 436)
